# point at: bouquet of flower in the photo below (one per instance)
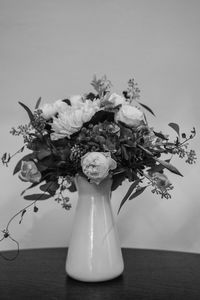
(96, 135)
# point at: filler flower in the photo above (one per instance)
(96, 165)
(161, 180)
(29, 172)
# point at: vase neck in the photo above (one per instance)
(85, 187)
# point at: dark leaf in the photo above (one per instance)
(137, 192)
(175, 127)
(22, 149)
(168, 166)
(124, 153)
(72, 187)
(100, 117)
(48, 162)
(130, 190)
(169, 145)
(29, 112)
(37, 197)
(119, 171)
(160, 135)
(50, 187)
(25, 158)
(157, 168)
(145, 150)
(91, 96)
(147, 108)
(42, 153)
(117, 180)
(38, 103)
(67, 101)
(22, 214)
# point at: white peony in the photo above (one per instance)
(96, 165)
(72, 119)
(76, 101)
(130, 115)
(60, 105)
(49, 110)
(116, 100)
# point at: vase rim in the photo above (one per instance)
(106, 180)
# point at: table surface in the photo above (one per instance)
(149, 274)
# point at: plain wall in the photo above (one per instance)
(52, 49)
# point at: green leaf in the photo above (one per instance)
(138, 192)
(160, 135)
(157, 168)
(130, 190)
(22, 215)
(50, 187)
(72, 187)
(37, 197)
(38, 103)
(118, 171)
(175, 127)
(168, 166)
(101, 116)
(124, 153)
(42, 153)
(117, 180)
(29, 112)
(147, 108)
(25, 158)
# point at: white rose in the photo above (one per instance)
(76, 100)
(96, 165)
(49, 110)
(116, 100)
(72, 119)
(130, 115)
(29, 172)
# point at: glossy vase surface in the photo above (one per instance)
(94, 252)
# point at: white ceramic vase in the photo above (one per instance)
(94, 252)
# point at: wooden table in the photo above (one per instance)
(149, 274)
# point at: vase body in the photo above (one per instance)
(94, 252)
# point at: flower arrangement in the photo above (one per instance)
(96, 135)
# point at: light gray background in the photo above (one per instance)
(52, 49)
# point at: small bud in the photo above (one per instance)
(6, 234)
(35, 209)
(183, 135)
